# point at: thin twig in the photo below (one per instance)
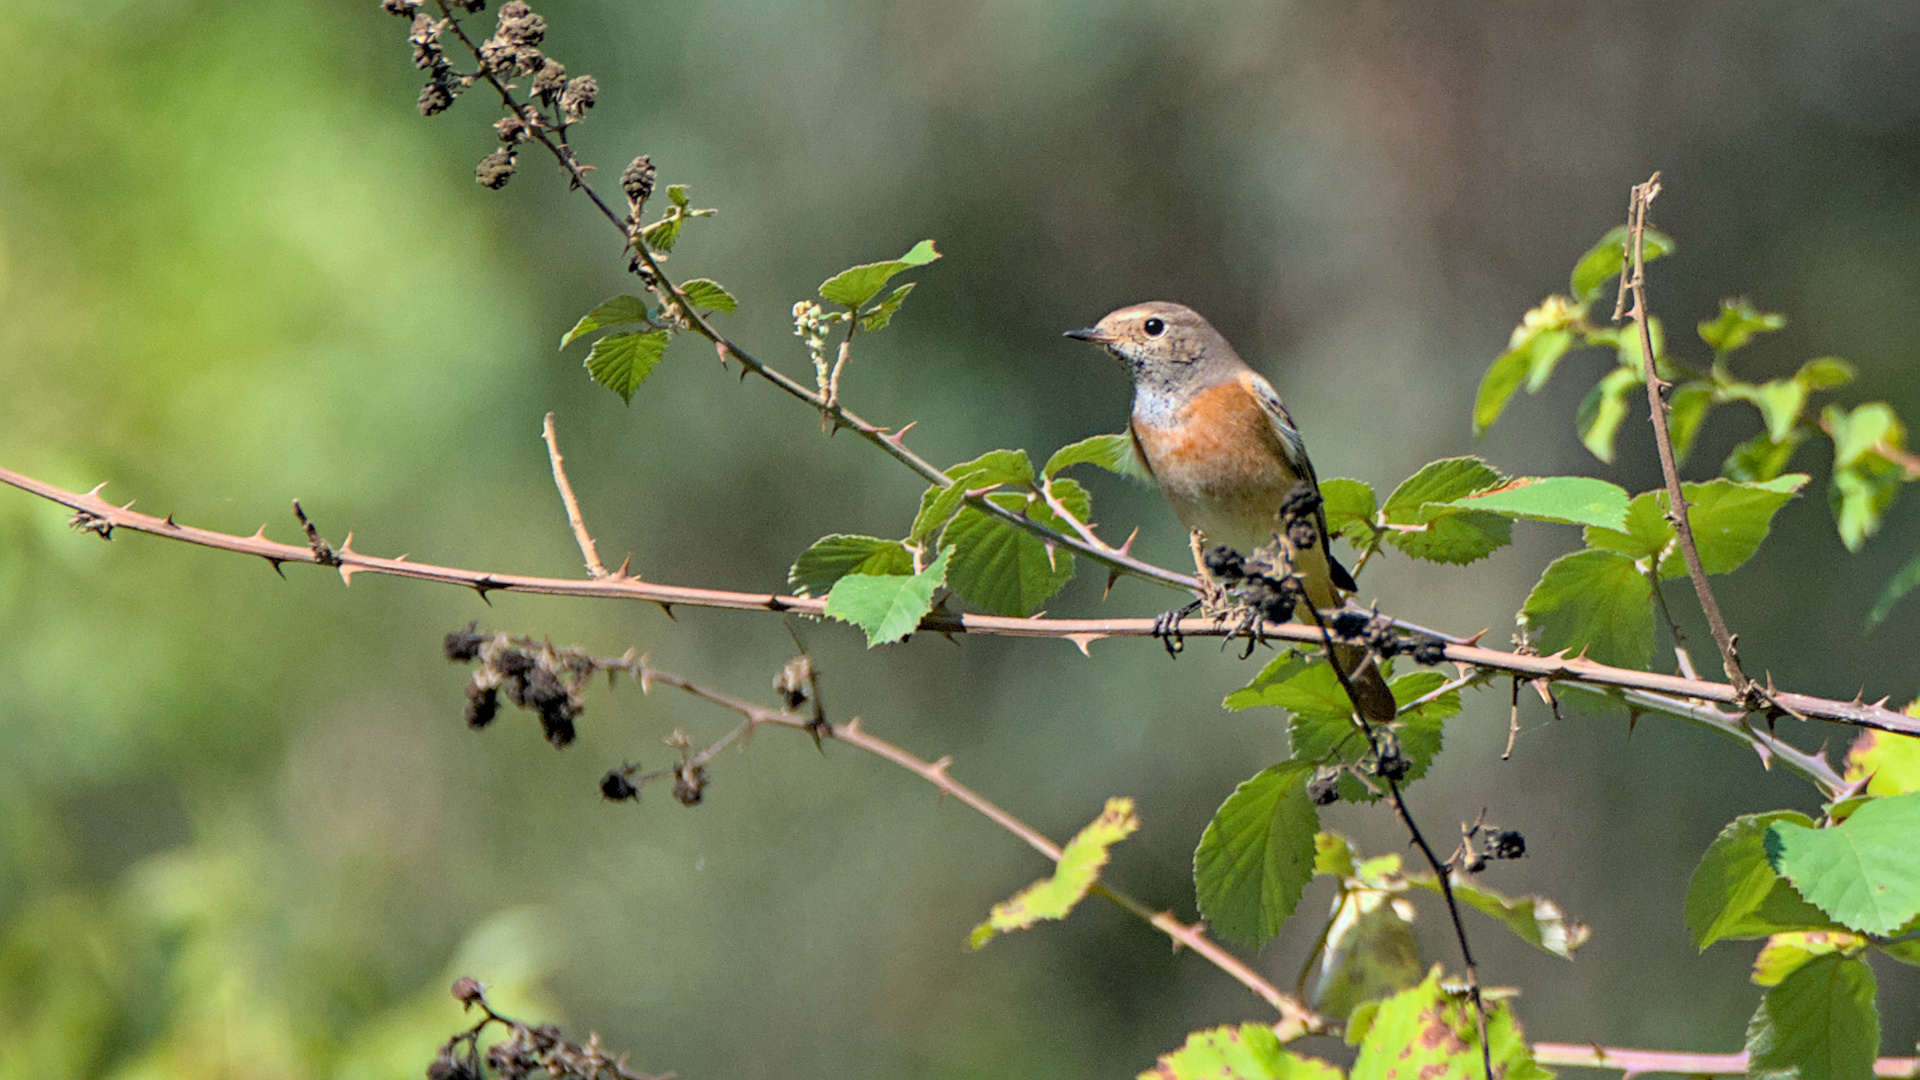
(1676, 1062)
(1634, 275)
(579, 524)
(1678, 692)
(1295, 1014)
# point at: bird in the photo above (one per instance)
(1227, 455)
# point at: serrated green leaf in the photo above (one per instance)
(878, 316)
(1430, 1033)
(1818, 1024)
(1597, 274)
(614, 311)
(1263, 690)
(1053, 897)
(1321, 728)
(1257, 854)
(663, 234)
(1761, 457)
(1371, 952)
(1596, 602)
(1735, 894)
(1864, 481)
(1003, 569)
(1453, 536)
(1647, 532)
(708, 294)
(1779, 402)
(621, 362)
(887, 607)
(1897, 586)
(678, 193)
(1825, 373)
(1114, 453)
(856, 285)
(1535, 920)
(1783, 954)
(1862, 871)
(1247, 1052)
(1857, 433)
(991, 469)
(1350, 507)
(834, 557)
(1729, 520)
(1567, 500)
(1736, 324)
(1687, 410)
(1604, 409)
(1441, 481)
(1334, 855)
(1533, 350)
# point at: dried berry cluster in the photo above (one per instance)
(526, 1051)
(511, 52)
(540, 679)
(1481, 843)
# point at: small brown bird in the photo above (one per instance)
(1225, 453)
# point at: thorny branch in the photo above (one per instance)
(1689, 699)
(1633, 281)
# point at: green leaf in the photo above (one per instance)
(1431, 1033)
(1779, 402)
(1257, 854)
(1441, 481)
(1566, 500)
(1371, 952)
(1533, 351)
(708, 294)
(1862, 871)
(1818, 1024)
(615, 311)
(887, 607)
(1350, 507)
(1864, 480)
(1248, 1052)
(1785, 953)
(1735, 893)
(1762, 457)
(1687, 411)
(1265, 689)
(989, 470)
(678, 194)
(1593, 602)
(1889, 763)
(1736, 324)
(1897, 586)
(856, 285)
(1535, 920)
(1597, 274)
(1334, 855)
(621, 362)
(1001, 568)
(834, 557)
(1729, 520)
(1604, 409)
(1321, 727)
(1446, 532)
(1825, 373)
(879, 315)
(663, 234)
(1114, 453)
(1647, 532)
(1055, 896)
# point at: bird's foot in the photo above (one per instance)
(1166, 627)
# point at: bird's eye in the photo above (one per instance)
(1154, 327)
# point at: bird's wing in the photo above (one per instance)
(1295, 449)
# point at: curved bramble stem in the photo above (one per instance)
(1685, 697)
(1295, 1016)
(1633, 281)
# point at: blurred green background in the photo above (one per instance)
(242, 829)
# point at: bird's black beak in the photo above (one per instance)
(1091, 333)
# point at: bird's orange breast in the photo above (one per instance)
(1220, 464)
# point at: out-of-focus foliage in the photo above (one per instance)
(241, 828)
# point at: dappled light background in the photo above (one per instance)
(242, 828)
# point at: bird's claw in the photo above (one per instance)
(1166, 627)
